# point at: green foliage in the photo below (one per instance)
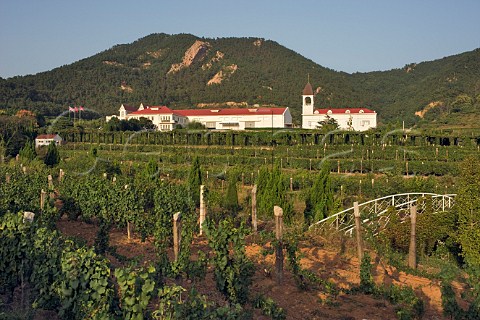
(233, 270)
(366, 280)
(272, 188)
(136, 288)
(83, 285)
(450, 306)
(52, 158)
(195, 181)
(28, 151)
(468, 209)
(231, 197)
(103, 236)
(328, 124)
(319, 199)
(269, 308)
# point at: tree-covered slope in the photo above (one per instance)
(184, 71)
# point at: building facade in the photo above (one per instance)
(46, 139)
(358, 119)
(166, 119)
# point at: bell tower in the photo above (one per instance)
(307, 97)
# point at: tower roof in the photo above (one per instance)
(308, 91)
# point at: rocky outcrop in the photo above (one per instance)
(429, 107)
(196, 52)
(218, 56)
(112, 63)
(125, 87)
(258, 42)
(156, 54)
(223, 74)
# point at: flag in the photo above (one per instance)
(71, 109)
(81, 108)
(76, 109)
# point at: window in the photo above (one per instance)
(308, 101)
(365, 123)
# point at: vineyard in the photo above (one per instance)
(116, 230)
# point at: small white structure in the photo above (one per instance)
(358, 119)
(46, 139)
(167, 119)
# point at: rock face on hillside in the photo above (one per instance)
(223, 74)
(218, 56)
(196, 52)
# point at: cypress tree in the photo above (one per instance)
(195, 181)
(52, 157)
(28, 151)
(468, 209)
(231, 197)
(319, 200)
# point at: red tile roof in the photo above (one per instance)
(308, 91)
(46, 136)
(231, 111)
(130, 108)
(343, 110)
(153, 110)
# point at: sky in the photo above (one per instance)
(343, 35)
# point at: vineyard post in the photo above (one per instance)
(406, 168)
(202, 207)
(338, 166)
(412, 251)
(43, 196)
(60, 175)
(50, 186)
(7, 178)
(358, 228)
(254, 208)
(243, 179)
(291, 184)
(207, 175)
(278, 212)
(177, 229)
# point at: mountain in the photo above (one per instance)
(185, 71)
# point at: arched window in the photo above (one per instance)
(308, 101)
(347, 111)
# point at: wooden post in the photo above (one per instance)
(202, 207)
(338, 166)
(129, 230)
(358, 228)
(310, 164)
(278, 212)
(207, 175)
(243, 179)
(177, 229)
(50, 182)
(406, 168)
(291, 184)
(254, 208)
(412, 251)
(43, 197)
(60, 175)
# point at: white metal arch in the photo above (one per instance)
(378, 209)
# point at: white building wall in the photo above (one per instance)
(360, 121)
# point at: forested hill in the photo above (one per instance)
(185, 71)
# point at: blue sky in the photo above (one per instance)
(344, 35)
